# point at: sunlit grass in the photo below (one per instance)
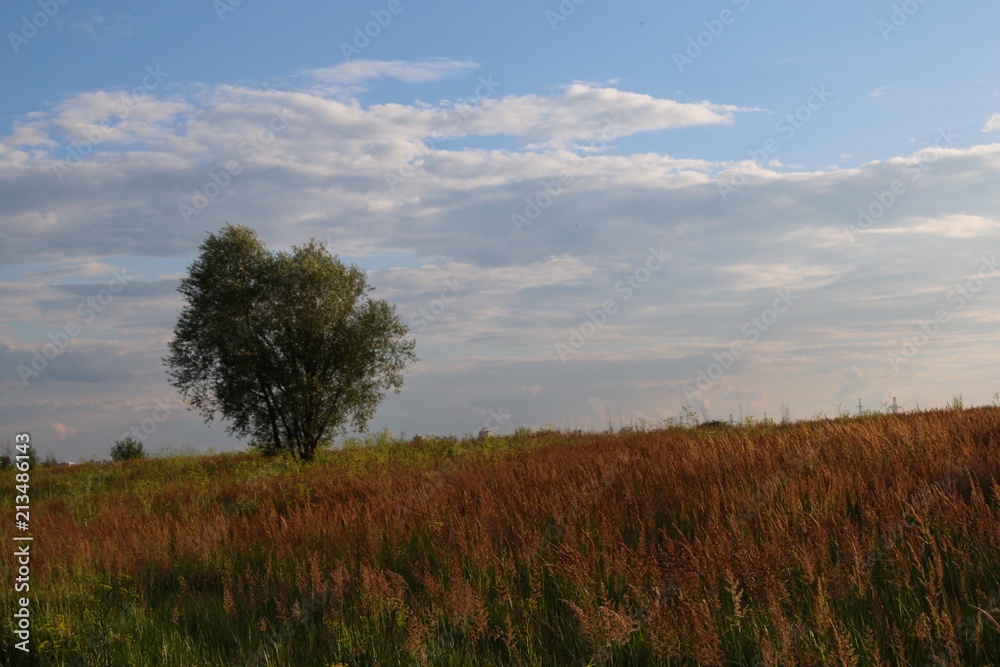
(852, 541)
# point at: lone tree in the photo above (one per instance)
(286, 345)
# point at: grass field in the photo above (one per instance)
(869, 541)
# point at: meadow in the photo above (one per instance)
(863, 541)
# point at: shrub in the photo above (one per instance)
(265, 448)
(126, 449)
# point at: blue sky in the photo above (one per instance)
(821, 176)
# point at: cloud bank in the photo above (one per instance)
(493, 255)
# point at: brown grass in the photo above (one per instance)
(873, 542)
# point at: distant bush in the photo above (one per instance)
(126, 449)
(381, 438)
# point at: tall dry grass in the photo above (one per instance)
(873, 541)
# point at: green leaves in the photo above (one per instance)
(287, 346)
(126, 449)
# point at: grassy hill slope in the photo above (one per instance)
(872, 541)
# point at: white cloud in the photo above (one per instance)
(72, 270)
(993, 124)
(62, 430)
(98, 27)
(956, 225)
(324, 175)
(583, 112)
(408, 71)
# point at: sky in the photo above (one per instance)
(588, 213)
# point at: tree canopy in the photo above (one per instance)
(288, 346)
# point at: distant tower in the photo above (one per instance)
(859, 407)
(894, 409)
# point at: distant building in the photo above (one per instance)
(485, 433)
